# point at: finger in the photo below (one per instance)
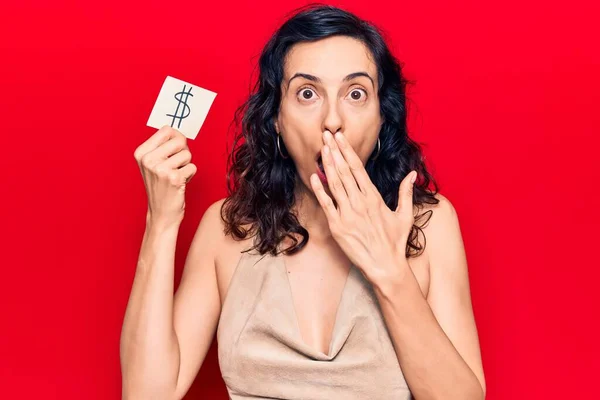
(405, 194)
(354, 164)
(159, 137)
(179, 159)
(168, 149)
(324, 200)
(333, 180)
(344, 172)
(188, 171)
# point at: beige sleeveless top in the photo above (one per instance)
(263, 356)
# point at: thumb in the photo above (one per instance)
(405, 193)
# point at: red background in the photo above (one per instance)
(504, 103)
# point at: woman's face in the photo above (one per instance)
(330, 84)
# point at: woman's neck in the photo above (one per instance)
(310, 213)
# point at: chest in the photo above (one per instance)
(259, 334)
(316, 281)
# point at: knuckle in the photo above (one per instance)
(337, 185)
(181, 139)
(350, 219)
(372, 210)
(137, 155)
(358, 205)
(161, 170)
(173, 177)
(374, 201)
(180, 145)
(145, 160)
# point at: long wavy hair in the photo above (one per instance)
(261, 184)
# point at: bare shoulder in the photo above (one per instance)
(212, 221)
(433, 220)
(209, 233)
(442, 211)
(213, 214)
(227, 249)
(441, 223)
(429, 219)
(444, 250)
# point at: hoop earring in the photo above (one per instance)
(378, 149)
(279, 148)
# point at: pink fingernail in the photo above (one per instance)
(414, 178)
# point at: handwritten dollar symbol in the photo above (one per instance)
(182, 98)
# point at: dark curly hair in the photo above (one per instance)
(260, 183)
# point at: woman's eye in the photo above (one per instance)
(306, 94)
(357, 95)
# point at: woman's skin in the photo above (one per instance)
(343, 99)
(331, 85)
(317, 274)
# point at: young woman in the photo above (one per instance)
(328, 272)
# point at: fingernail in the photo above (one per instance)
(414, 177)
(340, 138)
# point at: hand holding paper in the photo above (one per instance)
(164, 161)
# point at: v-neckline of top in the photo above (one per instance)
(338, 314)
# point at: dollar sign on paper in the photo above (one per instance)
(182, 98)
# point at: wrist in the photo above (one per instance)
(158, 226)
(392, 280)
(156, 223)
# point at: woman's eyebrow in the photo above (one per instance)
(318, 80)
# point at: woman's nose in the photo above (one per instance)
(332, 118)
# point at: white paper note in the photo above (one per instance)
(182, 106)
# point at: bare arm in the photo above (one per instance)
(149, 347)
(435, 338)
(165, 338)
(197, 301)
